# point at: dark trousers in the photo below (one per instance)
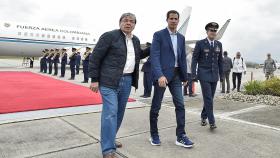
(55, 68)
(226, 80)
(41, 66)
(50, 67)
(31, 63)
(175, 88)
(85, 70)
(77, 69)
(208, 92)
(189, 85)
(72, 68)
(63, 65)
(45, 66)
(239, 77)
(148, 83)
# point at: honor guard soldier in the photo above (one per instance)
(85, 64)
(63, 61)
(78, 63)
(72, 63)
(50, 60)
(41, 61)
(207, 67)
(56, 61)
(45, 60)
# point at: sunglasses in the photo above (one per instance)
(212, 30)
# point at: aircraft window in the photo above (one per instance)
(77, 38)
(73, 38)
(48, 36)
(94, 40)
(53, 36)
(85, 39)
(43, 35)
(31, 34)
(58, 37)
(63, 37)
(19, 33)
(37, 35)
(82, 39)
(25, 34)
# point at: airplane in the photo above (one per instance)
(28, 40)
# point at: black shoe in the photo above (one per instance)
(71, 79)
(222, 91)
(213, 126)
(228, 91)
(203, 122)
(192, 95)
(238, 90)
(84, 82)
(232, 89)
(145, 96)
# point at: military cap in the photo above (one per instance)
(212, 25)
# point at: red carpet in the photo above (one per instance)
(26, 91)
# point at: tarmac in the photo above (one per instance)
(244, 130)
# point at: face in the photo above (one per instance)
(238, 55)
(268, 56)
(173, 21)
(127, 24)
(212, 33)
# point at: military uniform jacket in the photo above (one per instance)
(72, 60)
(64, 59)
(207, 62)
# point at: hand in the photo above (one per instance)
(185, 83)
(244, 72)
(94, 87)
(162, 81)
(221, 80)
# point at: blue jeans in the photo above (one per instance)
(175, 88)
(114, 104)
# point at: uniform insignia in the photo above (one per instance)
(218, 49)
(206, 50)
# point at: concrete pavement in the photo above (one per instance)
(244, 131)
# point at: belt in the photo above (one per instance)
(127, 74)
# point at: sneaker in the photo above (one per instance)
(184, 141)
(213, 126)
(155, 141)
(203, 122)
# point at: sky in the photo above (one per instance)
(254, 29)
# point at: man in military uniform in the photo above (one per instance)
(45, 60)
(78, 63)
(207, 67)
(50, 60)
(63, 62)
(72, 63)
(269, 67)
(41, 62)
(85, 64)
(56, 61)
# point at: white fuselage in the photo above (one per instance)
(28, 40)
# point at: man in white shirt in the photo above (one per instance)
(189, 87)
(239, 67)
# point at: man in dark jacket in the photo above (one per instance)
(56, 61)
(78, 63)
(147, 78)
(63, 62)
(113, 69)
(227, 66)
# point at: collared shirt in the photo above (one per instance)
(211, 42)
(173, 36)
(130, 58)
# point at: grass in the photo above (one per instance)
(268, 87)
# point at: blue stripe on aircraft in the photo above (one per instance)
(16, 40)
